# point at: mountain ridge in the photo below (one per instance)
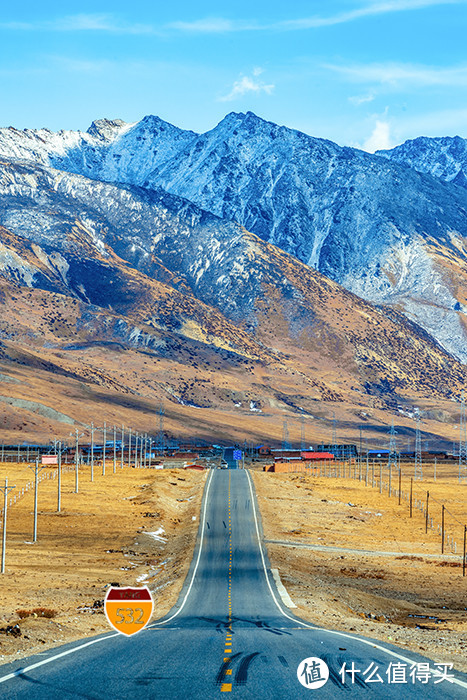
(386, 232)
(444, 157)
(136, 292)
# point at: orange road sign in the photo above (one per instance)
(128, 610)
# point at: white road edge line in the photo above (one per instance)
(203, 523)
(315, 627)
(21, 671)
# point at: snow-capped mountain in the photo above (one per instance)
(444, 157)
(154, 263)
(386, 232)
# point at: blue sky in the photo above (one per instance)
(369, 73)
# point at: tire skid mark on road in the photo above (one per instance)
(226, 666)
(241, 676)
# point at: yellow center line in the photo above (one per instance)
(227, 687)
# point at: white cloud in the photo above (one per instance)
(82, 22)
(209, 25)
(372, 9)
(247, 84)
(403, 74)
(358, 100)
(221, 25)
(380, 138)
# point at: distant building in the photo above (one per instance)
(285, 454)
(316, 456)
(340, 451)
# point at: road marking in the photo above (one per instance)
(355, 637)
(177, 612)
(20, 671)
(227, 687)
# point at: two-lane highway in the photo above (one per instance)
(229, 634)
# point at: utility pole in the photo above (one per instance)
(418, 474)
(36, 481)
(302, 432)
(78, 435)
(129, 447)
(462, 442)
(122, 446)
(76, 461)
(6, 489)
(59, 479)
(104, 449)
(360, 452)
(161, 429)
(285, 437)
(334, 435)
(115, 450)
(136, 449)
(392, 457)
(92, 451)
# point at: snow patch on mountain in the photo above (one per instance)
(366, 221)
(443, 157)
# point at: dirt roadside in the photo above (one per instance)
(131, 527)
(414, 598)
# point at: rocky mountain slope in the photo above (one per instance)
(159, 261)
(384, 231)
(145, 294)
(444, 157)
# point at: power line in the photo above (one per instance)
(285, 437)
(302, 432)
(392, 456)
(462, 442)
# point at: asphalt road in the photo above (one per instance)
(229, 633)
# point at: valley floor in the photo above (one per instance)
(349, 556)
(132, 527)
(351, 559)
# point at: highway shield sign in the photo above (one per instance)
(128, 610)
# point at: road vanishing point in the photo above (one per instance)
(228, 635)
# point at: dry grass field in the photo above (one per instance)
(352, 559)
(101, 536)
(350, 556)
